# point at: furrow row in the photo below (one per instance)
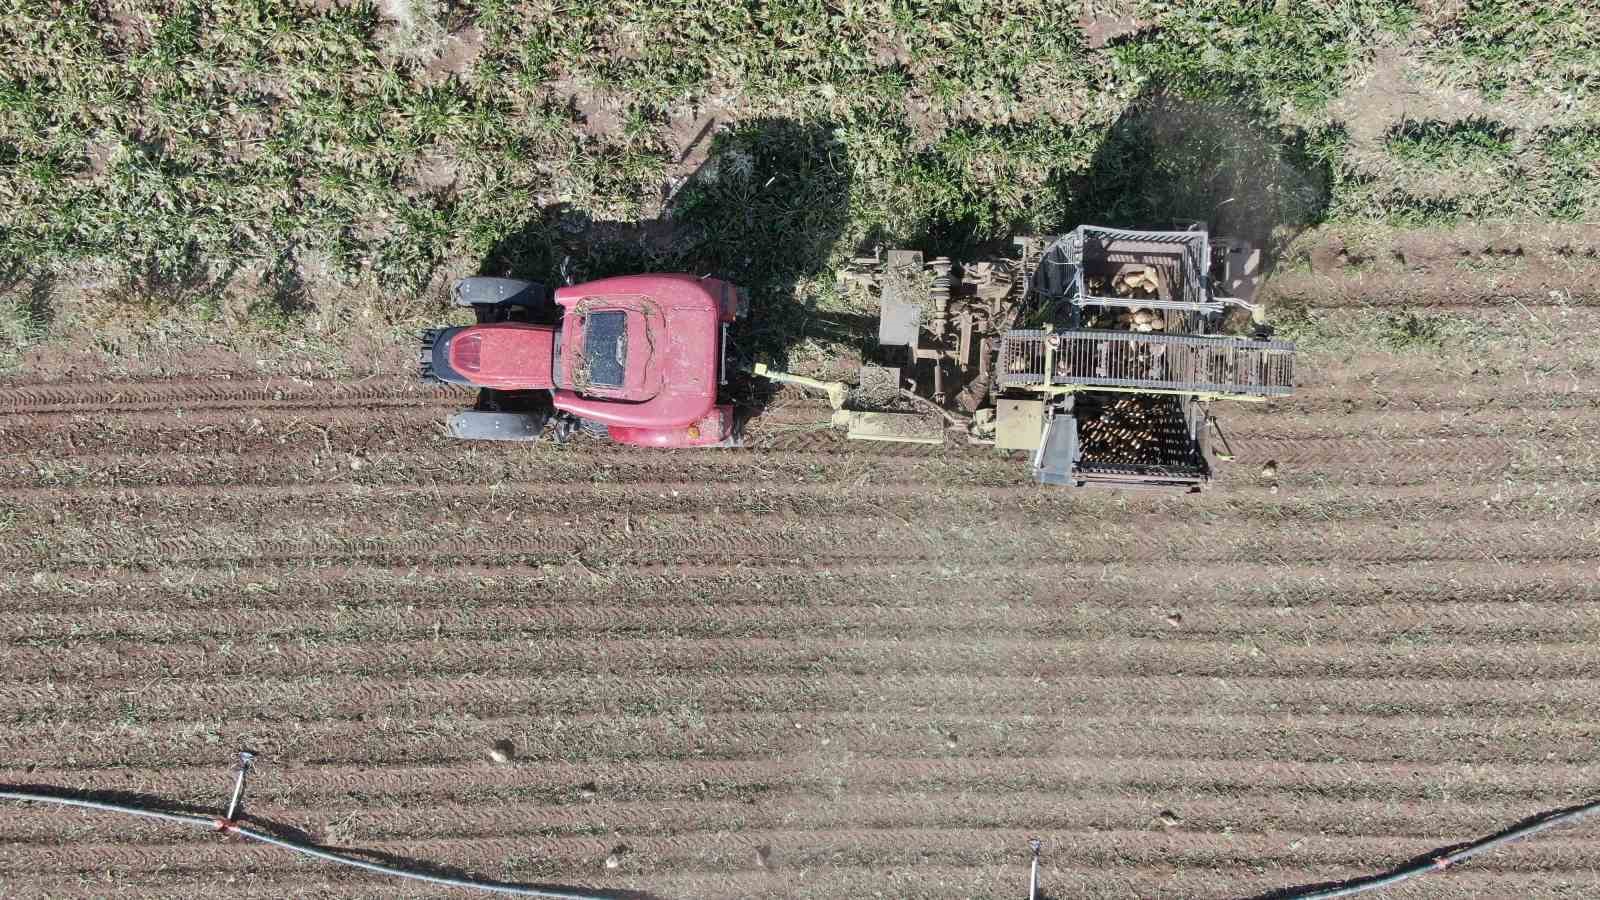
(260, 698)
(877, 658)
(816, 741)
(1023, 586)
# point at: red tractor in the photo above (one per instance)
(638, 358)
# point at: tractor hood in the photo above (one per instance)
(642, 350)
(509, 356)
(610, 348)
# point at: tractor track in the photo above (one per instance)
(711, 538)
(823, 738)
(1075, 657)
(168, 395)
(436, 696)
(460, 778)
(1245, 583)
(178, 523)
(411, 616)
(1555, 457)
(1067, 811)
(965, 847)
(1387, 433)
(267, 408)
(837, 877)
(312, 428)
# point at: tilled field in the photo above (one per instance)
(805, 668)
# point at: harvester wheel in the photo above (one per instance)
(478, 425)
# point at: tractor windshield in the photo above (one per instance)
(605, 347)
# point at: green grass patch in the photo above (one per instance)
(1438, 173)
(1220, 50)
(1501, 47)
(1573, 158)
(175, 145)
(179, 140)
(1466, 142)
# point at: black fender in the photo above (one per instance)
(483, 291)
(480, 425)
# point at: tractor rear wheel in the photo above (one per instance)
(478, 425)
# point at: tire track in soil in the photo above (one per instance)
(999, 880)
(112, 662)
(349, 697)
(270, 463)
(964, 847)
(170, 393)
(398, 619)
(751, 539)
(313, 431)
(1554, 457)
(1512, 785)
(247, 426)
(194, 513)
(314, 428)
(445, 464)
(1030, 583)
(178, 513)
(827, 737)
(1069, 811)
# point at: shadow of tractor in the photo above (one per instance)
(764, 211)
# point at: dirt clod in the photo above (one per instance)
(764, 857)
(877, 390)
(1105, 26)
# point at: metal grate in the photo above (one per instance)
(1141, 435)
(1022, 357)
(1181, 257)
(1184, 363)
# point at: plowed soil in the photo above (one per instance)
(889, 666)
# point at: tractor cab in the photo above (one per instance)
(641, 357)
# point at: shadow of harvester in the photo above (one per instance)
(1170, 162)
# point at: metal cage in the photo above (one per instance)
(1217, 366)
(1182, 258)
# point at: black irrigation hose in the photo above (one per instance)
(1440, 863)
(1347, 889)
(230, 827)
